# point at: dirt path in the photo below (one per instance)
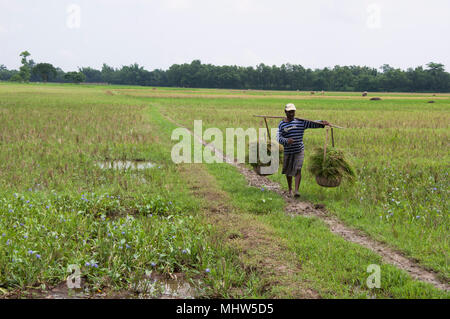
(296, 207)
(272, 260)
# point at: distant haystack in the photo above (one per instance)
(364, 93)
(375, 99)
(312, 92)
(323, 92)
(430, 101)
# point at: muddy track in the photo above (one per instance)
(257, 250)
(297, 207)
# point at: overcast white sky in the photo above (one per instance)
(156, 33)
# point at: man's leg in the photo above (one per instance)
(289, 181)
(298, 179)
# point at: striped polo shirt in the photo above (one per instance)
(294, 129)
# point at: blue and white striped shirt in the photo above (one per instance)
(294, 129)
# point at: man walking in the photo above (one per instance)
(290, 135)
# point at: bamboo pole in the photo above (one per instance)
(282, 117)
(332, 137)
(325, 146)
(268, 132)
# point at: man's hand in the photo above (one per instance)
(325, 123)
(290, 141)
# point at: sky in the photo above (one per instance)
(156, 34)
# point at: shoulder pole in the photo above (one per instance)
(282, 117)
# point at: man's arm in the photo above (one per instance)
(309, 124)
(282, 140)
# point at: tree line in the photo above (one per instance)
(433, 78)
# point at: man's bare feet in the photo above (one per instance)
(297, 195)
(290, 193)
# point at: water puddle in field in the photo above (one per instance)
(61, 291)
(158, 286)
(152, 286)
(136, 165)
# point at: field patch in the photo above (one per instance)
(146, 218)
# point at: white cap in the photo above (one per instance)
(290, 107)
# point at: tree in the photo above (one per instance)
(108, 73)
(16, 78)
(25, 71)
(92, 75)
(60, 76)
(24, 55)
(133, 74)
(6, 74)
(436, 67)
(75, 77)
(45, 71)
(439, 80)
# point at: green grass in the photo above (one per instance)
(397, 147)
(52, 136)
(330, 265)
(58, 208)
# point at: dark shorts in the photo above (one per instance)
(292, 163)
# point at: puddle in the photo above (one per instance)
(137, 165)
(158, 286)
(61, 291)
(153, 286)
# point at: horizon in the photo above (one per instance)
(379, 69)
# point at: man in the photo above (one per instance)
(290, 135)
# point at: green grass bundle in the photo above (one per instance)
(333, 170)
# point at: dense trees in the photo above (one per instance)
(92, 75)
(75, 77)
(6, 74)
(296, 77)
(433, 78)
(45, 71)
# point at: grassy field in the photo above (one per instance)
(58, 207)
(399, 150)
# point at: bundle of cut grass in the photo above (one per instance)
(254, 147)
(329, 173)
